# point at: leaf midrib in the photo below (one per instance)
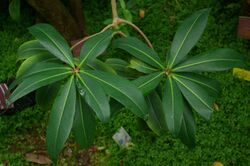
(59, 48)
(182, 43)
(52, 68)
(190, 90)
(91, 50)
(41, 81)
(44, 70)
(91, 93)
(64, 103)
(111, 86)
(152, 79)
(30, 49)
(82, 120)
(172, 102)
(196, 81)
(147, 55)
(61, 115)
(144, 66)
(198, 63)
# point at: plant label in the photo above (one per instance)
(122, 138)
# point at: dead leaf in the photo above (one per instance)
(217, 163)
(39, 158)
(216, 107)
(241, 73)
(142, 13)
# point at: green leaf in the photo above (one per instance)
(197, 96)
(32, 61)
(149, 82)
(115, 106)
(156, 120)
(127, 15)
(108, 21)
(141, 67)
(212, 86)
(187, 132)
(122, 90)
(30, 49)
(187, 36)
(95, 96)
(36, 81)
(122, 68)
(52, 40)
(117, 64)
(95, 46)
(14, 9)
(44, 100)
(139, 50)
(124, 29)
(99, 65)
(61, 118)
(42, 68)
(173, 106)
(216, 60)
(122, 3)
(84, 126)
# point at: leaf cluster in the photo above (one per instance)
(77, 90)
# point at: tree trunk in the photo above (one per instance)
(76, 10)
(59, 16)
(245, 8)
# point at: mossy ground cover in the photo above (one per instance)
(225, 138)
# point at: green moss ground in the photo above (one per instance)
(225, 138)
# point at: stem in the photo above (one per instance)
(80, 42)
(114, 9)
(119, 33)
(116, 22)
(106, 28)
(138, 29)
(86, 38)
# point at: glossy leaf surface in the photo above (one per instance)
(32, 61)
(141, 67)
(149, 82)
(95, 46)
(94, 96)
(61, 118)
(139, 50)
(44, 100)
(212, 86)
(84, 126)
(37, 81)
(116, 63)
(187, 132)
(122, 90)
(42, 68)
(156, 120)
(122, 68)
(52, 40)
(187, 36)
(119, 65)
(31, 48)
(196, 96)
(173, 106)
(216, 60)
(99, 65)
